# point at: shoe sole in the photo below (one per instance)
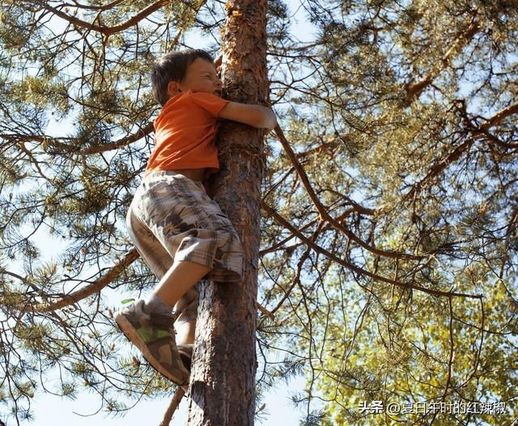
(186, 357)
(131, 334)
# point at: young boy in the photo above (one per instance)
(179, 231)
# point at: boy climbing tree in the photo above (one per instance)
(219, 394)
(179, 231)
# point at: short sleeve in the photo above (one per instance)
(211, 103)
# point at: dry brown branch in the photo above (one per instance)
(360, 271)
(265, 311)
(295, 281)
(325, 148)
(322, 210)
(102, 29)
(93, 288)
(173, 405)
(500, 115)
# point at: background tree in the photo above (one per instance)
(399, 195)
(389, 235)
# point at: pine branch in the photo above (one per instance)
(322, 210)
(102, 29)
(413, 90)
(436, 169)
(147, 130)
(360, 271)
(58, 145)
(175, 402)
(85, 292)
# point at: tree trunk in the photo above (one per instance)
(222, 390)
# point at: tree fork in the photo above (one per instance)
(222, 388)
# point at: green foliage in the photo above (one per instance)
(393, 126)
(402, 120)
(68, 94)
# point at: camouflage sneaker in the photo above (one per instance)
(153, 334)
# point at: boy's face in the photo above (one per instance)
(201, 76)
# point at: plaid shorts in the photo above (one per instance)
(171, 219)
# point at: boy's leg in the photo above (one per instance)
(171, 292)
(186, 311)
(176, 213)
(151, 329)
(158, 259)
(178, 280)
(176, 289)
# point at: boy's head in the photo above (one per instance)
(186, 70)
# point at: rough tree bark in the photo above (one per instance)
(222, 390)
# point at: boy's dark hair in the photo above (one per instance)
(173, 67)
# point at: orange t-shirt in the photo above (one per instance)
(185, 131)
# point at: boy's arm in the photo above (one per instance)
(253, 115)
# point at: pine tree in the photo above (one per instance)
(388, 248)
(222, 390)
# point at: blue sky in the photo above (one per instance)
(54, 411)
